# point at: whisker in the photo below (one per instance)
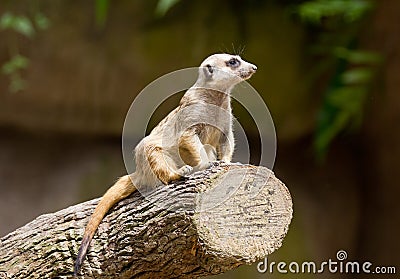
(233, 47)
(242, 50)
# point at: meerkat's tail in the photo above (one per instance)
(120, 190)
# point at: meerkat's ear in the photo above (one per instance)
(208, 71)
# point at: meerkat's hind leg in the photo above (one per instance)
(193, 152)
(163, 166)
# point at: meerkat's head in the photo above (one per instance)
(223, 71)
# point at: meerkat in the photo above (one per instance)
(196, 133)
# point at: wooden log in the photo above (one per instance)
(208, 223)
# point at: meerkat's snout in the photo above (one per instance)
(247, 71)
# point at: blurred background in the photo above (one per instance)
(329, 71)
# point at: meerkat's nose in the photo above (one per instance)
(253, 67)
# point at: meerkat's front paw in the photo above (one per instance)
(204, 166)
(185, 170)
(225, 160)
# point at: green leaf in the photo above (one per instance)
(164, 6)
(366, 57)
(348, 98)
(16, 63)
(101, 12)
(23, 25)
(342, 109)
(6, 20)
(17, 84)
(351, 10)
(357, 76)
(357, 56)
(327, 133)
(41, 21)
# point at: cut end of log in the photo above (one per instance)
(244, 214)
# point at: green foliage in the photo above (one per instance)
(27, 27)
(357, 57)
(164, 6)
(12, 68)
(20, 24)
(16, 63)
(343, 103)
(348, 10)
(101, 11)
(41, 21)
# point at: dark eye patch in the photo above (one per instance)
(233, 62)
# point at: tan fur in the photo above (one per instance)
(184, 140)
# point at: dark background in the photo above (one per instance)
(62, 109)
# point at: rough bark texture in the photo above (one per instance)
(211, 222)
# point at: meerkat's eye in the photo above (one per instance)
(233, 62)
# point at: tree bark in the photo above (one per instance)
(208, 223)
